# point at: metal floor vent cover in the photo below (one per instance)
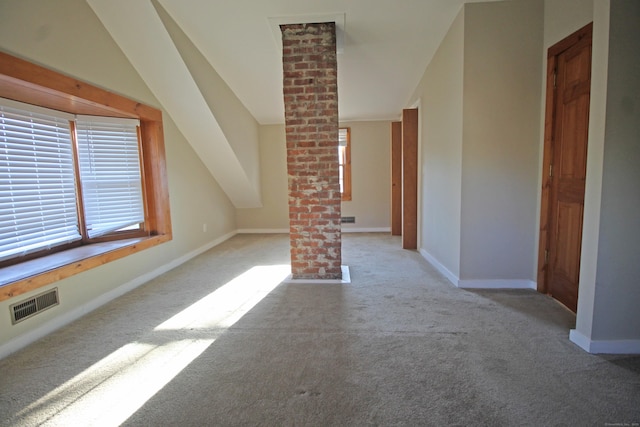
(30, 307)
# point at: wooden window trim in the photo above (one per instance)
(346, 177)
(23, 81)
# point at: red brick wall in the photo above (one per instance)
(311, 120)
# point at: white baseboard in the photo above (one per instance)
(604, 346)
(286, 230)
(58, 322)
(263, 231)
(441, 268)
(366, 230)
(477, 284)
(497, 284)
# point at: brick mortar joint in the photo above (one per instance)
(310, 72)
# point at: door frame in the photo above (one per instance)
(410, 161)
(396, 178)
(547, 158)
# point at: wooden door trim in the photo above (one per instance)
(410, 178)
(583, 35)
(396, 178)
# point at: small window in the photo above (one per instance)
(344, 159)
(54, 193)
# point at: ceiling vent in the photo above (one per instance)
(30, 307)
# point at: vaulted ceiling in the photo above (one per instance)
(387, 45)
(174, 45)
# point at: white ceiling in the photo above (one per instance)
(387, 46)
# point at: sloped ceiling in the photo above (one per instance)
(386, 48)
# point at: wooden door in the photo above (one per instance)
(410, 178)
(567, 161)
(396, 178)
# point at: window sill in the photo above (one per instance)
(27, 276)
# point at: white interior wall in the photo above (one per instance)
(480, 131)
(370, 200)
(273, 216)
(238, 125)
(440, 93)
(593, 184)
(156, 58)
(501, 136)
(563, 17)
(370, 178)
(607, 320)
(616, 319)
(66, 36)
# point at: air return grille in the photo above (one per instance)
(32, 306)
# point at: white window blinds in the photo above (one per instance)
(342, 137)
(342, 155)
(37, 185)
(109, 174)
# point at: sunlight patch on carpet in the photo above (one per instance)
(225, 306)
(113, 389)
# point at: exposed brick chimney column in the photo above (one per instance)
(311, 119)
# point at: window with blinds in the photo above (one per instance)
(109, 159)
(344, 161)
(53, 193)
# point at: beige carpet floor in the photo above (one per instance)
(219, 341)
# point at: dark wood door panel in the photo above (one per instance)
(566, 139)
(566, 256)
(396, 178)
(410, 178)
(571, 190)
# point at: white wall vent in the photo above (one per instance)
(34, 305)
